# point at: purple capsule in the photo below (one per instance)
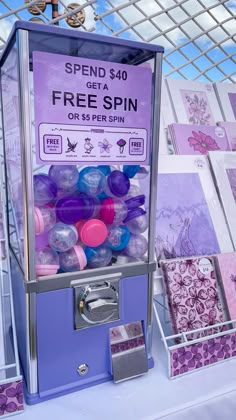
(136, 220)
(73, 260)
(98, 257)
(62, 237)
(47, 262)
(118, 184)
(45, 190)
(71, 209)
(137, 246)
(65, 176)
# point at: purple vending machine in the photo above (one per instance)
(81, 119)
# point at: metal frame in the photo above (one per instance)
(11, 229)
(61, 281)
(32, 371)
(28, 216)
(153, 178)
(220, 162)
(6, 271)
(4, 295)
(26, 147)
(166, 339)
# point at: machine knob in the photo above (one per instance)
(102, 305)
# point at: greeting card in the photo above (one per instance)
(230, 128)
(231, 173)
(189, 218)
(166, 117)
(194, 102)
(192, 295)
(224, 168)
(2, 355)
(226, 95)
(227, 274)
(232, 100)
(167, 110)
(2, 269)
(163, 140)
(190, 139)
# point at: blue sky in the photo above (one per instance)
(190, 50)
(176, 58)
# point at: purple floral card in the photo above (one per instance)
(11, 398)
(227, 271)
(192, 295)
(232, 99)
(194, 102)
(197, 107)
(195, 139)
(183, 222)
(206, 353)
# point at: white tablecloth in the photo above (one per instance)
(209, 394)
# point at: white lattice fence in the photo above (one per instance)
(198, 35)
(65, 13)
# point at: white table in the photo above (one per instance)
(209, 394)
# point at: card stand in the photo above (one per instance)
(186, 355)
(11, 383)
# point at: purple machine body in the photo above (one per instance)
(64, 320)
(61, 349)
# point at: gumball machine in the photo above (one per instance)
(81, 121)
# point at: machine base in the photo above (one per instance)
(32, 399)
